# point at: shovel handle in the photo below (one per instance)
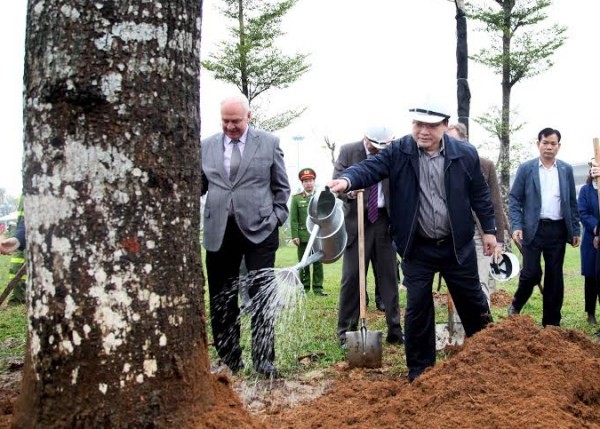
(362, 278)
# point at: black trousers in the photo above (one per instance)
(549, 242)
(222, 269)
(380, 251)
(591, 293)
(427, 258)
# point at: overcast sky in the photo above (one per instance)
(369, 64)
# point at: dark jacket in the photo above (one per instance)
(587, 203)
(525, 200)
(20, 232)
(466, 190)
(350, 154)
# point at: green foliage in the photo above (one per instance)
(13, 324)
(491, 121)
(250, 58)
(520, 47)
(531, 45)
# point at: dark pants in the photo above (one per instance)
(317, 269)
(591, 294)
(222, 269)
(378, 298)
(427, 258)
(379, 250)
(549, 242)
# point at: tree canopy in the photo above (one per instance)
(521, 46)
(251, 59)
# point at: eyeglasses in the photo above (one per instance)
(427, 125)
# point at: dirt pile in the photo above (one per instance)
(511, 375)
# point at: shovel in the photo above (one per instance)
(364, 346)
(451, 333)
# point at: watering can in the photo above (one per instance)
(325, 222)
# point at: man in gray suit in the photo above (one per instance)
(244, 176)
(378, 241)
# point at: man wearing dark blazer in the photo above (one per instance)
(378, 242)
(435, 185)
(247, 189)
(543, 216)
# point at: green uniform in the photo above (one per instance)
(16, 261)
(298, 215)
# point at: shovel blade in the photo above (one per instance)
(444, 336)
(364, 348)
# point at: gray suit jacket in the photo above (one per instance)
(259, 192)
(525, 200)
(350, 154)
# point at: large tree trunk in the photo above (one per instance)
(112, 205)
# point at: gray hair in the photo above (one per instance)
(461, 130)
(237, 97)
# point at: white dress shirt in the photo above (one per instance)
(550, 190)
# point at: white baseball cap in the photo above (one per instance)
(379, 135)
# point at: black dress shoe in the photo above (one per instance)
(267, 369)
(414, 373)
(394, 339)
(320, 293)
(380, 306)
(512, 310)
(343, 343)
(591, 319)
(236, 366)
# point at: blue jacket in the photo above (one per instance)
(525, 200)
(465, 185)
(587, 203)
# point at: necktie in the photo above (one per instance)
(236, 157)
(372, 204)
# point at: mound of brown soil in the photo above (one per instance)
(511, 375)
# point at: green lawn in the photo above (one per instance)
(13, 325)
(306, 332)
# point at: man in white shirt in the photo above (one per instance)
(543, 216)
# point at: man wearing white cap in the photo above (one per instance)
(435, 182)
(378, 242)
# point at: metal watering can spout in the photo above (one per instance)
(325, 222)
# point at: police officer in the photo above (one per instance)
(300, 235)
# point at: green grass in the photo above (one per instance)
(306, 338)
(315, 336)
(13, 323)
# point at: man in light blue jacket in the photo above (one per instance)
(543, 216)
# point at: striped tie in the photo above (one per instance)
(372, 204)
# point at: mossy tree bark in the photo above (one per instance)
(112, 200)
